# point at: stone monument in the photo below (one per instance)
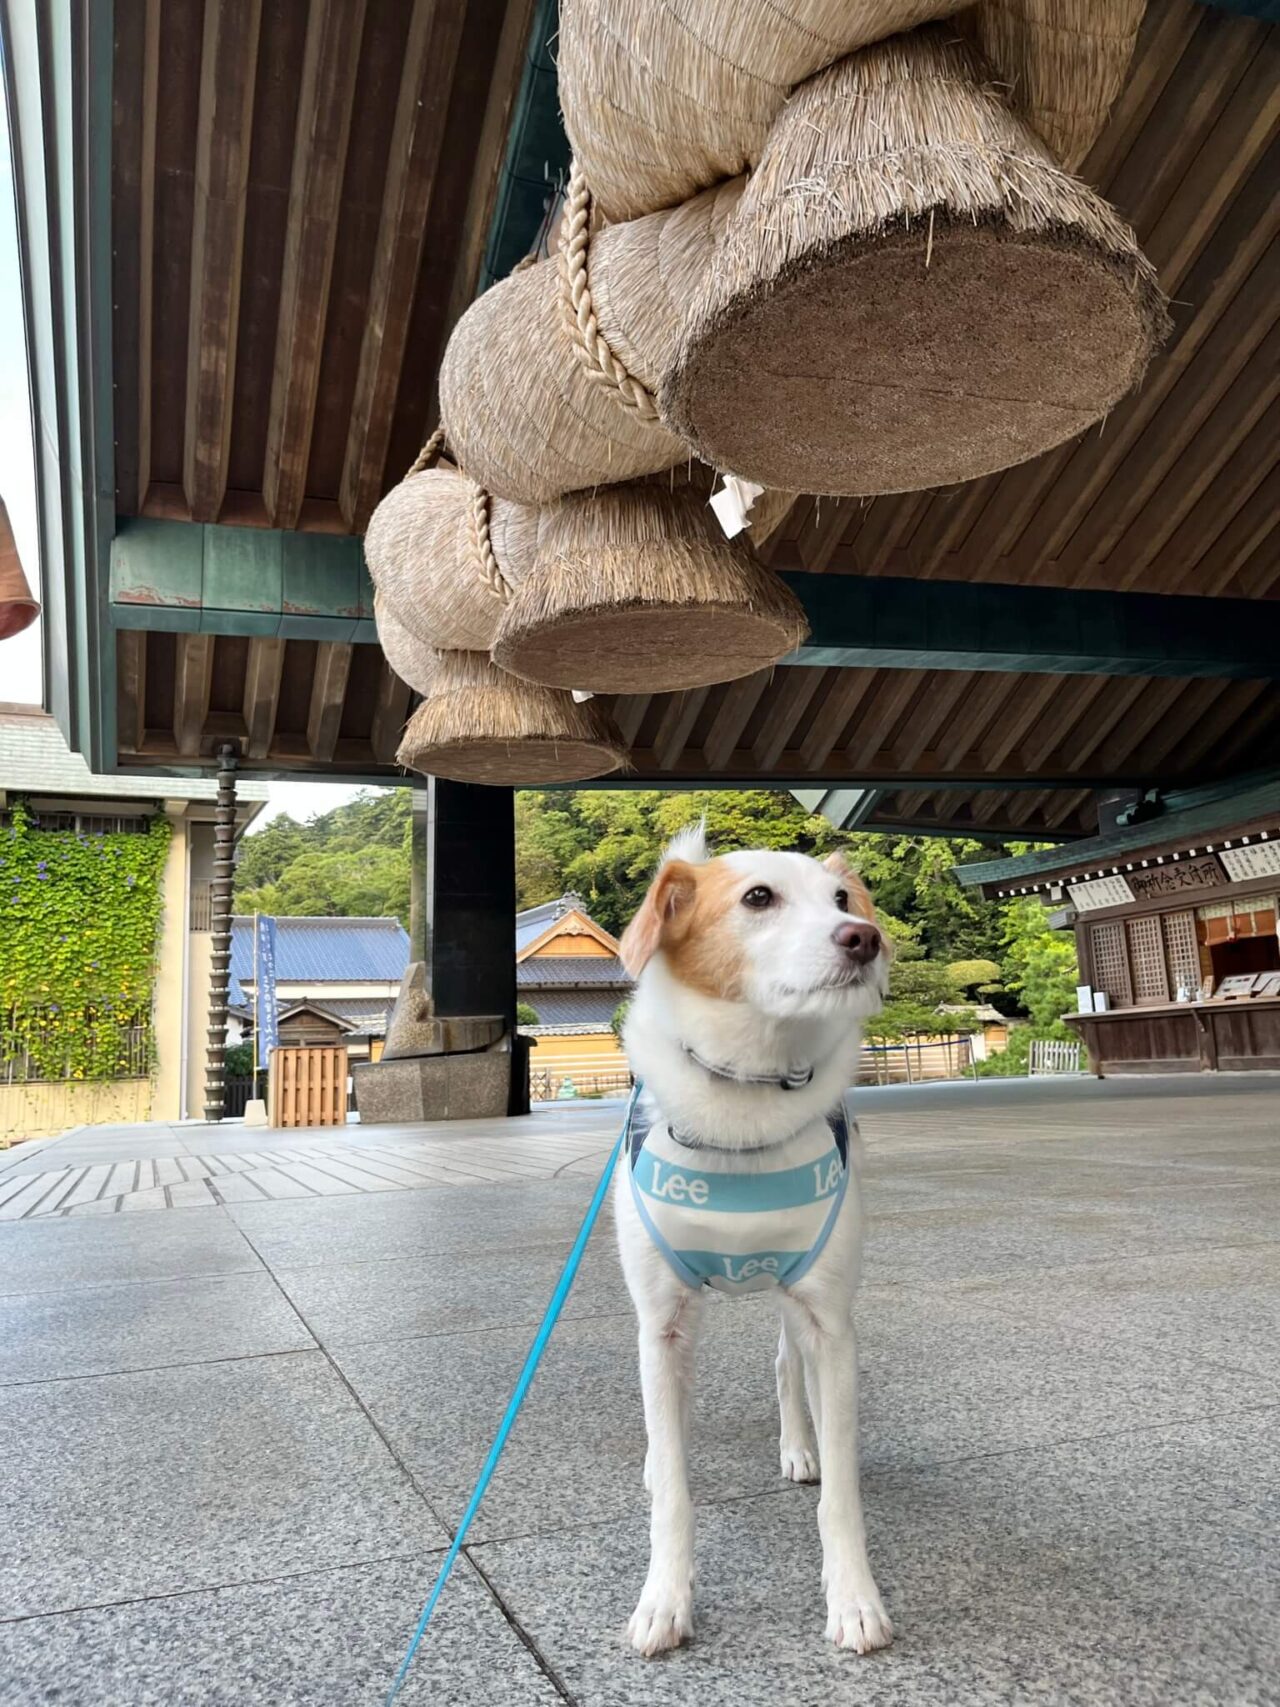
(434, 1066)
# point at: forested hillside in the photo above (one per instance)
(604, 844)
(352, 862)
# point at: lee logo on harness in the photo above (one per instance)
(749, 1268)
(676, 1188)
(826, 1178)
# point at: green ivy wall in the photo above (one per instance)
(79, 925)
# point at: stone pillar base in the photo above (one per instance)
(433, 1087)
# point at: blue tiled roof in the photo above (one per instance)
(324, 951)
(534, 920)
(568, 971)
(576, 1007)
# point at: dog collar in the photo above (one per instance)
(794, 1079)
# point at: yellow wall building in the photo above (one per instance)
(37, 768)
(569, 973)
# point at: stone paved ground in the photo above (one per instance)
(235, 1435)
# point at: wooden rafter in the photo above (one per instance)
(227, 75)
(192, 685)
(330, 62)
(421, 111)
(677, 723)
(131, 692)
(845, 695)
(739, 700)
(390, 708)
(263, 670)
(328, 692)
(787, 706)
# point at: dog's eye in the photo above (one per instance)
(842, 900)
(757, 897)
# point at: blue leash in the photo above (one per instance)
(567, 1275)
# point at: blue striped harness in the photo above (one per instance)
(737, 1231)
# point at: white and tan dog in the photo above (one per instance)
(754, 971)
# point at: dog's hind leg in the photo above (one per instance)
(663, 1618)
(797, 1447)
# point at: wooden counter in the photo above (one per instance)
(1184, 1037)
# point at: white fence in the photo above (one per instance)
(1052, 1056)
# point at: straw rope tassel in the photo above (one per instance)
(589, 344)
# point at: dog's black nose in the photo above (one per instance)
(860, 942)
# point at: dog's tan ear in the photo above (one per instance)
(671, 891)
(836, 862)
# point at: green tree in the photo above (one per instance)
(1040, 970)
(980, 975)
(353, 862)
(527, 1014)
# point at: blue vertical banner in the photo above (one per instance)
(267, 1008)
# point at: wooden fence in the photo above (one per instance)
(1050, 1055)
(308, 1087)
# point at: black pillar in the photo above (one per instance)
(418, 874)
(471, 908)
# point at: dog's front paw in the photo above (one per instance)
(662, 1621)
(800, 1463)
(858, 1621)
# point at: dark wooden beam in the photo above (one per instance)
(629, 714)
(390, 708)
(192, 685)
(131, 692)
(891, 698)
(133, 151)
(1225, 715)
(732, 716)
(228, 72)
(980, 709)
(421, 111)
(329, 66)
(1055, 728)
(677, 724)
(262, 676)
(1021, 715)
(860, 622)
(787, 706)
(846, 694)
(932, 718)
(328, 691)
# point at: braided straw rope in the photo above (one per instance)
(482, 545)
(589, 343)
(429, 455)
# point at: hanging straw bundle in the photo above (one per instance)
(478, 724)
(412, 659)
(660, 101)
(636, 590)
(1062, 62)
(910, 292)
(547, 384)
(444, 557)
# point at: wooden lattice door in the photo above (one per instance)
(1146, 961)
(1111, 962)
(1181, 952)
